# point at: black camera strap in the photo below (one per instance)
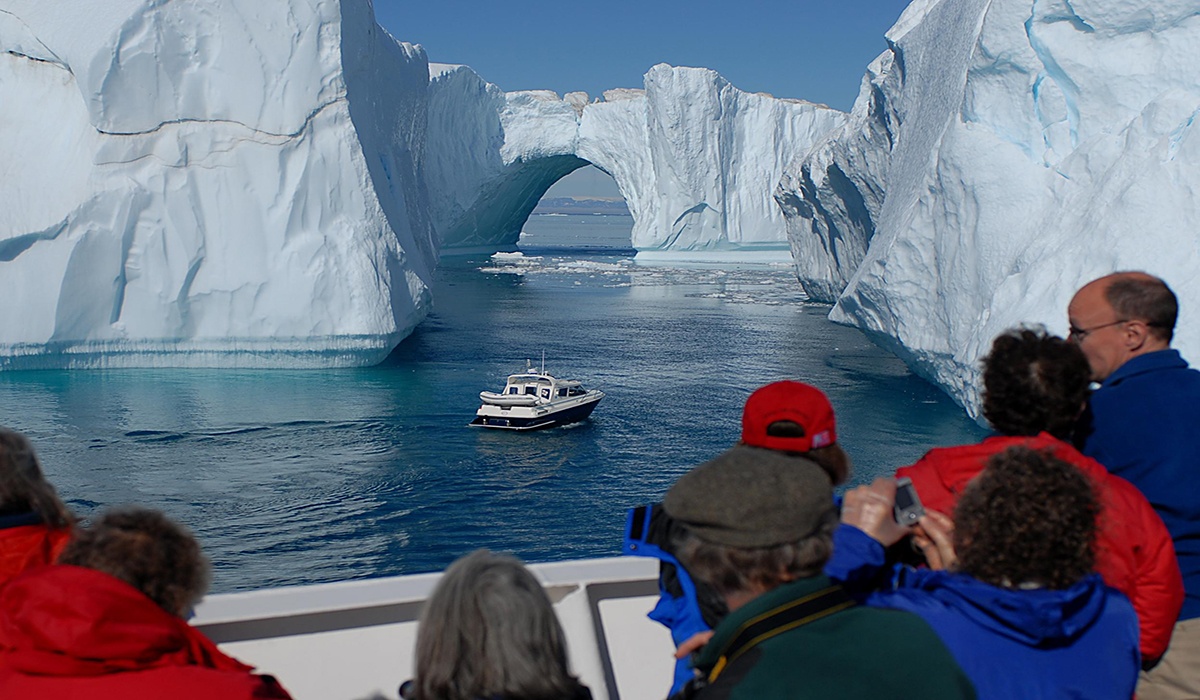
(784, 618)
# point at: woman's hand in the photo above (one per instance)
(935, 536)
(872, 510)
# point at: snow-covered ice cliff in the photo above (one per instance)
(209, 183)
(1002, 153)
(696, 159)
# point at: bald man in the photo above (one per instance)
(1143, 424)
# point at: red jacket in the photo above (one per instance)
(26, 546)
(67, 632)
(1134, 552)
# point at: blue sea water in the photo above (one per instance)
(293, 477)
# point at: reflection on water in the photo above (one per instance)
(307, 476)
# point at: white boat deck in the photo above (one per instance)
(350, 640)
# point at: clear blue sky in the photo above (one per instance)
(811, 49)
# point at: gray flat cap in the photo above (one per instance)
(752, 497)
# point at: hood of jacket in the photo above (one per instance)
(71, 621)
(1034, 616)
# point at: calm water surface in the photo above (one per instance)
(311, 476)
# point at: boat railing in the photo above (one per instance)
(351, 639)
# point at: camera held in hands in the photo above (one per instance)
(908, 509)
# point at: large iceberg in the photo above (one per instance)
(264, 184)
(209, 183)
(231, 182)
(1002, 153)
(696, 159)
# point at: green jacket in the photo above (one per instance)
(854, 652)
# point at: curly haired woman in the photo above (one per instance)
(1010, 589)
(1034, 388)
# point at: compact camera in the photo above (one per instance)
(908, 509)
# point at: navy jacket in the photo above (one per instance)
(1143, 424)
(1081, 642)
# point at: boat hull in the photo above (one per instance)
(537, 417)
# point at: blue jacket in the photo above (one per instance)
(1081, 642)
(679, 606)
(1143, 424)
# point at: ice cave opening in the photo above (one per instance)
(584, 210)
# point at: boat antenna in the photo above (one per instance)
(543, 361)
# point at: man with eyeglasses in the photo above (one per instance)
(1143, 424)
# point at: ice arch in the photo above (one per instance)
(696, 159)
(235, 183)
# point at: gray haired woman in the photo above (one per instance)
(489, 632)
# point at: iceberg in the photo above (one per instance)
(233, 183)
(696, 159)
(1000, 155)
(230, 183)
(209, 184)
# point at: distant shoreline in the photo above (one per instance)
(611, 206)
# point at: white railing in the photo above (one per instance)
(349, 640)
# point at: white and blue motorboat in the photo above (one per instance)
(534, 399)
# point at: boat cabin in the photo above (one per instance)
(532, 384)
(542, 386)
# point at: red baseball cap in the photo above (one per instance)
(800, 403)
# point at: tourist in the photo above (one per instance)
(797, 419)
(490, 632)
(34, 524)
(108, 621)
(787, 417)
(757, 526)
(1034, 388)
(1010, 587)
(1143, 424)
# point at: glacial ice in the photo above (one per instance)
(219, 183)
(253, 184)
(239, 183)
(696, 159)
(1000, 154)
(270, 184)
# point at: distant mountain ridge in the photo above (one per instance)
(611, 206)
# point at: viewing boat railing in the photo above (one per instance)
(349, 640)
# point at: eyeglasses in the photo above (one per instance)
(1080, 333)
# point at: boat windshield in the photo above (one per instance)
(528, 384)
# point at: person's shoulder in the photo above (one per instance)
(943, 460)
(1121, 493)
(894, 615)
(187, 682)
(943, 471)
(903, 641)
(1161, 367)
(1119, 619)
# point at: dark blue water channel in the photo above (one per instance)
(294, 477)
